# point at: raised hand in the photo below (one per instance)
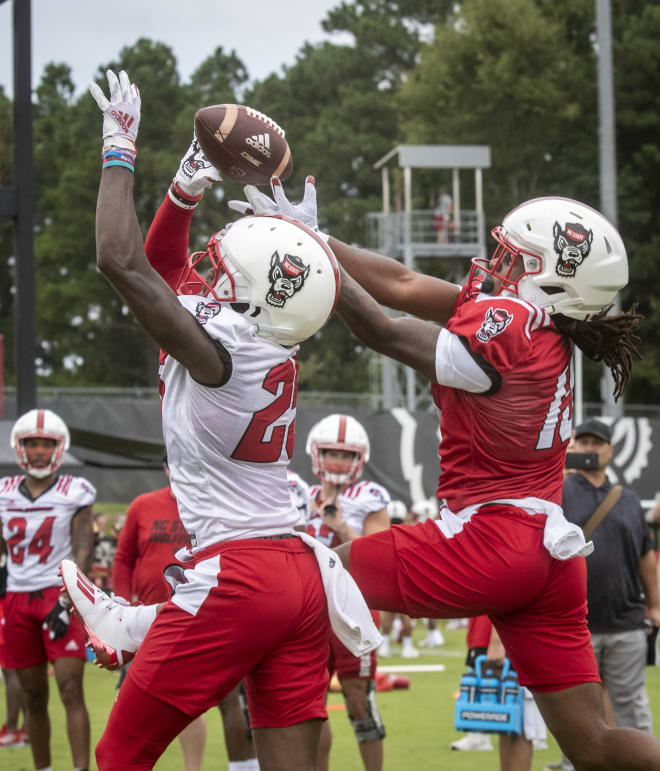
(196, 173)
(121, 113)
(259, 203)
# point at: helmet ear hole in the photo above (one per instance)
(551, 289)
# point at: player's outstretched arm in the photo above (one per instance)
(395, 285)
(388, 281)
(410, 341)
(119, 245)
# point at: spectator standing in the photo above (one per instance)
(442, 212)
(621, 578)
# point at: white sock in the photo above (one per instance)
(244, 765)
(139, 619)
(45, 768)
(407, 642)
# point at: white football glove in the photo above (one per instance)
(196, 173)
(259, 203)
(121, 114)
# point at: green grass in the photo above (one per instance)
(419, 722)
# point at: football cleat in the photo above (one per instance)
(13, 738)
(473, 742)
(409, 651)
(384, 648)
(434, 639)
(105, 619)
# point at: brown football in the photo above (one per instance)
(243, 144)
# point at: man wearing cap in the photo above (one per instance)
(621, 577)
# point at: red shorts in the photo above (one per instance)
(252, 609)
(346, 665)
(496, 565)
(27, 643)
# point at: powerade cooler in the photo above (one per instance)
(487, 703)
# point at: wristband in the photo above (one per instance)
(182, 199)
(119, 156)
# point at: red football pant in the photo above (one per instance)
(496, 565)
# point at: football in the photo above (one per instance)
(243, 143)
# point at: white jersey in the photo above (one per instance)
(299, 490)
(38, 531)
(228, 447)
(357, 503)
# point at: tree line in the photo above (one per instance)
(518, 75)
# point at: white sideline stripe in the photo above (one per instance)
(413, 668)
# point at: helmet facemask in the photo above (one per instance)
(55, 459)
(205, 270)
(334, 471)
(504, 264)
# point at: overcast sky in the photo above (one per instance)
(87, 33)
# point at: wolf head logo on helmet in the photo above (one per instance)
(342, 433)
(40, 424)
(286, 275)
(495, 322)
(572, 244)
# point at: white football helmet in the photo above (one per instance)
(397, 509)
(285, 272)
(574, 258)
(425, 509)
(338, 432)
(40, 424)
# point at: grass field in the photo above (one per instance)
(419, 722)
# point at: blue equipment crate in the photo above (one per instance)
(487, 703)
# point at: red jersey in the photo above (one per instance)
(509, 442)
(152, 534)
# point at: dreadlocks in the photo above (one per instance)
(610, 339)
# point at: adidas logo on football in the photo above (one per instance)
(260, 142)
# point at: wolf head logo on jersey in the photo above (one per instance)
(572, 244)
(495, 322)
(206, 311)
(286, 275)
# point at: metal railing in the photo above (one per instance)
(387, 233)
